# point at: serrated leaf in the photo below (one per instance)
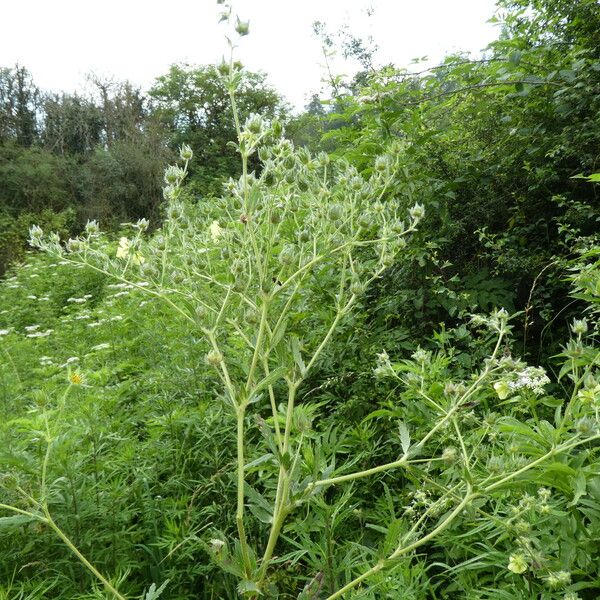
(154, 593)
(248, 587)
(579, 484)
(270, 379)
(15, 521)
(404, 436)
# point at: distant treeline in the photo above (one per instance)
(67, 158)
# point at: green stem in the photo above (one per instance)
(259, 341)
(273, 407)
(536, 462)
(406, 549)
(80, 556)
(241, 411)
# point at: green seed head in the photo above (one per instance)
(365, 220)
(214, 358)
(335, 212)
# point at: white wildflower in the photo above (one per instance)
(98, 347)
(531, 378)
(40, 334)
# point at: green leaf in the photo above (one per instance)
(568, 75)
(154, 593)
(579, 484)
(15, 521)
(278, 333)
(247, 587)
(404, 436)
(270, 379)
(515, 58)
(295, 346)
(258, 461)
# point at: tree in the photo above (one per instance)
(72, 124)
(194, 104)
(19, 106)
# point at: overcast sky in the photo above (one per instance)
(60, 41)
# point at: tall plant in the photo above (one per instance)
(265, 276)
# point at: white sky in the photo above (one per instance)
(60, 41)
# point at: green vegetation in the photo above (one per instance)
(361, 365)
(68, 159)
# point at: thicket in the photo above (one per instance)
(66, 159)
(311, 385)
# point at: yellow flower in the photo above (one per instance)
(215, 231)
(502, 389)
(76, 378)
(123, 249)
(517, 564)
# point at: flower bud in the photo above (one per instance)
(417, 212)
(242, 27)
(302, 184)
(449, 455)
(186, 152)
(142, 224)
(173, 175)
(214, 358)
(277, 128)
(269, 178)
(92, 227)
(579, 327)
(356, 288)
(35, 235)
(254, 124)
(335, 212)
(387, 260)
(365, 220)
(287, 255)
(74, 245)
(304, 235)
(585, 427)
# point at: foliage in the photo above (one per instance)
(490, 147)
(193, 102)
(305, 387)
(102, 157)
